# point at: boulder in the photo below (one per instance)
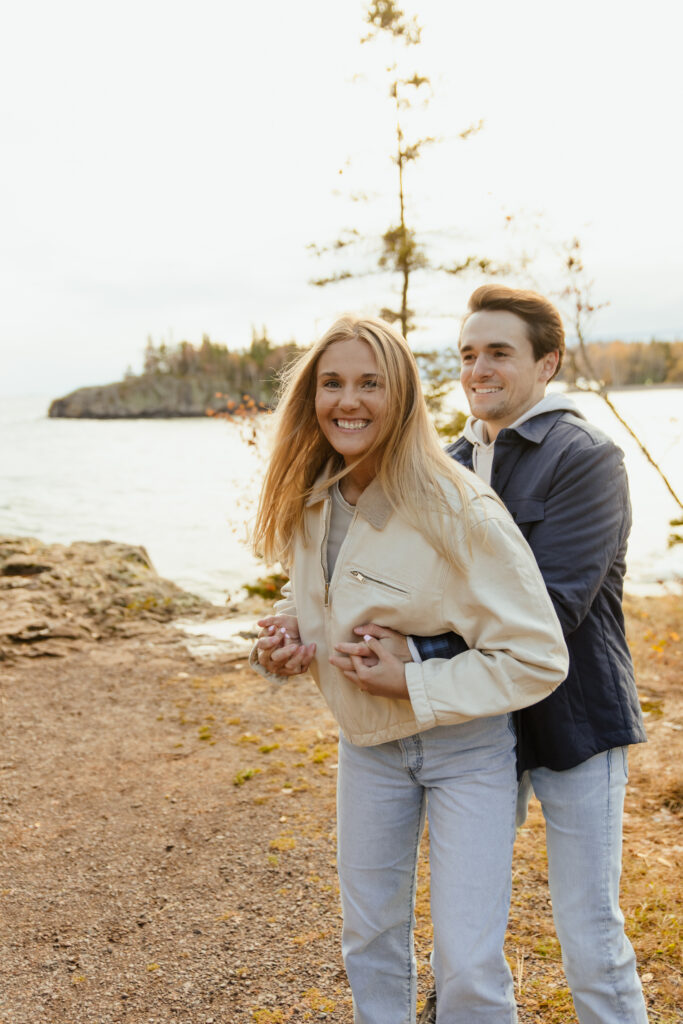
(54, 596)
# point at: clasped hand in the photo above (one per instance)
(374, 664)
(279, 646)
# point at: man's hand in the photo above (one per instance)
(279, 646)
(379, 672)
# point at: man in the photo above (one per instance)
(565, 484)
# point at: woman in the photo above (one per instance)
(376, 524)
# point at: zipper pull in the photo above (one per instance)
(358, 575)
(327, 592)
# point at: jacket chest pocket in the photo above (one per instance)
(373, 580)
(526, 512)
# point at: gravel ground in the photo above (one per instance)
(168, 848)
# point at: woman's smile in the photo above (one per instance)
(352, 424)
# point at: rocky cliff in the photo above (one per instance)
(153, 396)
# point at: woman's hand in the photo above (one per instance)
(378, 672)
(392, 641)
(279, 646)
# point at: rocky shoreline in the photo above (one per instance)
(54, 598)
(153, 396)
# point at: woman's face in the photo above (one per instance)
(350, 398)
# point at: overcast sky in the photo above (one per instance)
(164, 166)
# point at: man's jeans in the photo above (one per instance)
(583, 810)
(463, 776)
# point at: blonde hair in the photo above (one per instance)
(411, 463)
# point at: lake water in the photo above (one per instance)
(185, 488)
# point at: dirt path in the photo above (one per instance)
(168, 843)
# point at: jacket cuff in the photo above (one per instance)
(270, 676)
(422, 708)
(414, 650)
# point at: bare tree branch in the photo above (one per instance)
(584, 378)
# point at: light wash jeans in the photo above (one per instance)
(463, 777)
(583, 810)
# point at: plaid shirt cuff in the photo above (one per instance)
(445, 645)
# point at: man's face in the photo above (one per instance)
(499, 375)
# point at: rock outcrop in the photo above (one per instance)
(54, 597)
(152, 396)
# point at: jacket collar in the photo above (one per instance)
(373, 504)
(537, 428)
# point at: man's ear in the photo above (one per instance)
(548, 365)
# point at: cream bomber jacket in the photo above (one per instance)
(388, 573)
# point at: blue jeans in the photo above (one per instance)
(583, 810)
(463, 778)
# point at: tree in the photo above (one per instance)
(583, 375)
(151, 357)
(247, 379)
(399, 250)
(438, 369)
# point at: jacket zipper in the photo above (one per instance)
(363, 578)
(323, 549)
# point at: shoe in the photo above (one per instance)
(428, 1015)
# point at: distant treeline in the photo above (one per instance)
(619, 363)
(253, 371)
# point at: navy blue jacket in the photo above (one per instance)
(564, 483)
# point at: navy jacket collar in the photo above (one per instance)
(537, 428)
